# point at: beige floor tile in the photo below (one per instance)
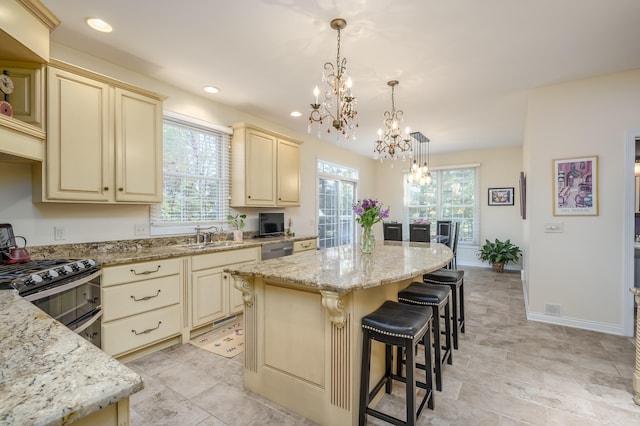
(508, 371)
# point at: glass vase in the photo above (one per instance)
(367, 243)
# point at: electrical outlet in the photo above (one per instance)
(59, 233)
(552, 309)
(140, 229)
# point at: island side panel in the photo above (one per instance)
(305, 361)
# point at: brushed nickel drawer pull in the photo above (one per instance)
(146, 297)
(148, 330)
(145, 272)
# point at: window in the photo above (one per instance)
(196, 175)
(454, 194)
(336, 196)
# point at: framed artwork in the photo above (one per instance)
(501, 196)
(523, 195)
(575, 186)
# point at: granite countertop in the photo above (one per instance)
(110, 253)
(343, 269)
(49, 375)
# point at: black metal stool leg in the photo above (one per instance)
(365, 371)
(462, 306)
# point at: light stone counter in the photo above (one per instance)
(302, 314)
(343, 269)
(110, 253)
(50, 375)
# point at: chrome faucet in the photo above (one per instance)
(201, 238)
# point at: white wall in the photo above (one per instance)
(88, 222)
(581, 269)
(498, 168)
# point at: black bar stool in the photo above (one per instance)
(438, 298)
(455, 280)
(403, 326)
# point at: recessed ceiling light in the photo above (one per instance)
(211, 89)
(296, 114)
(99, 25)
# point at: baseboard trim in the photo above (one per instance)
(575, 323)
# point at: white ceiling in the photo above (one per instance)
(465, 66)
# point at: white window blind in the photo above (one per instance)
(454, 194)
(197, 164)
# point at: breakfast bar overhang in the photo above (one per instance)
(302, 321)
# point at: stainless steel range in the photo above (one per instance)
(68, 290)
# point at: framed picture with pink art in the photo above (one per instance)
(575, 186)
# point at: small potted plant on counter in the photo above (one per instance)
(499, 253)
(237, 222)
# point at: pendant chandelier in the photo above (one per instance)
(419, 172)
(392, 142)
(337, 106)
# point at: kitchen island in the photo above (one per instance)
(302, 321)
(51, 376)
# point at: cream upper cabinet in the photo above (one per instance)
(288, 176)
(265, 170)
(104, 141)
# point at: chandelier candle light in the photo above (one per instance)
(369, 212)
(419, 172)
(393, 142)
(337, 97)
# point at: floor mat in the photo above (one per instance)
(227, 341)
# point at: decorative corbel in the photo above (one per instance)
(333, 303)
(246, 287)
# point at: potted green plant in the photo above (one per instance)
(237, 222)
(499, 253)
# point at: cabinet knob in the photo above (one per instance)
(120, 189)
(248, 196)
(106, 188)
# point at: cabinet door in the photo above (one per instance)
(208, 302)
(78, 165)
(138, 144)
(288, 173)
(260, 169)
(236, 304)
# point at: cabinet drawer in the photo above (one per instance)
(134, 298)
(132, 272)
(299, 246)
(216, 260)
(140, 330)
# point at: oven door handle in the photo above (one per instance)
(62, 288)
(95, 315)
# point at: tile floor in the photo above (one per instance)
(507, 371)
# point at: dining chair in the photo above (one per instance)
(392, 231)
(443, 232)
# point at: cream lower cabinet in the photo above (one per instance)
(142, 304)
(104, 141)
(300, 246)
(265, 168)
(213, 296)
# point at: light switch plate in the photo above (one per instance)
(59, 233)
(555, 227)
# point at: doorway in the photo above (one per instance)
(631, 151)
(336, 196)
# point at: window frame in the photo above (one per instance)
(345, 176)
(475, 240)
(170, 228)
